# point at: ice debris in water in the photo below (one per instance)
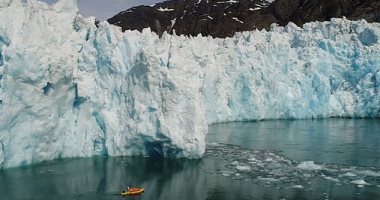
(359, 182)
(298, 186)
(243, 168)
(349, 174)
(368, 173)
(309, 165)
(330, 179)
(270, 167)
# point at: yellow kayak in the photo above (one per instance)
(132, 191)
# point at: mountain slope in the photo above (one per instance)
(222, 18)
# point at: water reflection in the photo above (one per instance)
(104, 178)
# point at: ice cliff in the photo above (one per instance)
(70, 89)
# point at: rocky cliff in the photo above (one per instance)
(222, 18)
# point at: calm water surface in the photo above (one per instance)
(311, 159)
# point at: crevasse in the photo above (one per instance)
(70, 89)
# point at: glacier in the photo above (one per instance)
(71, 89)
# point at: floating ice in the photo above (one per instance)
(349, 174)
(267, 179)
(331, 179)
(368, 173)
(213, 144)
(298, 186)
(270, 167)
(309, 165)
(359, 182)
(70, 89)
(244, 168)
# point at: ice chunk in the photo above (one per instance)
(227, 173)
(368, 37)
(235, 163)
(309, 165)
(213, 144)
(368, 173)
(331, 179)
(359, 182)
(298, 186)
(349, 174)
(268, 179)
(243, 168)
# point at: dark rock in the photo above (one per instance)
(222, 18)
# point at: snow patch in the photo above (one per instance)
(165, 9)
(236, 19)
(229, 1)
(173, 22)
(254, 9)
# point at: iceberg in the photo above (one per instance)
(71, 89)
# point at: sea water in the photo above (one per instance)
(305, 159)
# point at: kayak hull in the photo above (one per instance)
(133, 191)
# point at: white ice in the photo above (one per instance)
(359, 182)
(309, 165)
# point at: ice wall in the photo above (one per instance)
(329, 69)
(70, 89)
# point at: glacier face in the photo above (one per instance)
(70, 89)
(328, 69)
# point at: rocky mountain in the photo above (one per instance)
(222, 18)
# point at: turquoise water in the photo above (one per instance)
(311, 159)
